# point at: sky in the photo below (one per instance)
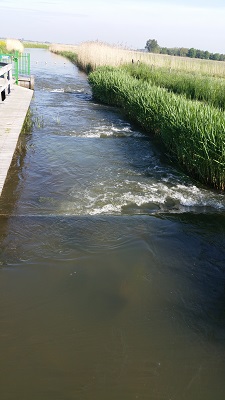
(129, 23)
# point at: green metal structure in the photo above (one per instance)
(20, 63)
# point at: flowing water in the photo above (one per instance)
(112, 261)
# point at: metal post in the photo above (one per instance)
(28, 62)
(16, 66)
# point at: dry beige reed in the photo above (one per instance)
(14, 45)
(97, 54)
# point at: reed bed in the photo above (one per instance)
(14, 45)
(57, 48)
(10, 45)
(2, 46)
(193, 132)
(95, 54)
(194, 86)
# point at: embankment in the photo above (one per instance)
(181, 100)
(193, 132)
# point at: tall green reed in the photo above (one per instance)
(68, 54)
(193, 132)
(193, 85)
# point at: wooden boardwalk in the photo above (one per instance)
(12, 115)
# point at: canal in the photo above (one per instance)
(112, 261)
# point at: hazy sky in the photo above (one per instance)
(173, 23)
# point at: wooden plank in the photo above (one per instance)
(12, 115)
(5, 69)
(6, 81)
(3, 84)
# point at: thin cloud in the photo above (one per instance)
(187, 23)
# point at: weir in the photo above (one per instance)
(14, 104)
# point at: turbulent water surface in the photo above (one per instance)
(112, 260)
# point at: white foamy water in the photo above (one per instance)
(107, 131)
(133, 196)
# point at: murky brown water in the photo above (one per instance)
(112, 261)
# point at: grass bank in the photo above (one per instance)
(67, 51)
(193, 85)
(181, 100)
(68, 54)
(36, 45)
(193, 132)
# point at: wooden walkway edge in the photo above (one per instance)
(12, 115)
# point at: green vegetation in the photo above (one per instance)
(68, 54)
(3, 46)
(152, 46)
(36, 45)
(193, 132)
(30, 121)
(193, 85)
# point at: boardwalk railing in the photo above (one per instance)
(5, 80)
(20, 64)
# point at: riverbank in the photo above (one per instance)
(97, 54)
(13, 112)
(193, 85)
(190, 121)
(192, 132)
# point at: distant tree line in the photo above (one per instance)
(153, 47)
